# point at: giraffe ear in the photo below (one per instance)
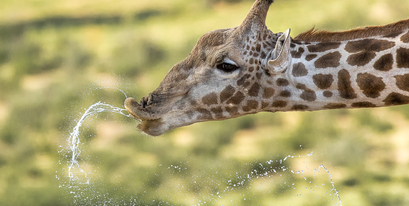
(279, 59)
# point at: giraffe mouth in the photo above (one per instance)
(151, 119)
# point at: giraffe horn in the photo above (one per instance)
(257, 15)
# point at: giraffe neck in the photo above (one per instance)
(366, 72)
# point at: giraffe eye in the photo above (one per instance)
(227, 66)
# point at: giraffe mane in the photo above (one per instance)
(314, 35)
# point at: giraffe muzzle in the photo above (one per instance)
(142, 110)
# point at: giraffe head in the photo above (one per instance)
(227, 74)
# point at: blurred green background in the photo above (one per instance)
(59, 57)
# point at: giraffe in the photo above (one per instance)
(249, 69)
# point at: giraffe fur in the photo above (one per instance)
(250, 69)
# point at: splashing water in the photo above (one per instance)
(74, 140)
(331, 181)
(269, 171)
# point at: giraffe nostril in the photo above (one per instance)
(146, 101)
(143, 102)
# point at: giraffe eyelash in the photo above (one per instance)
(229, 61)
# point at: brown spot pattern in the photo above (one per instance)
(344, 85)
(264, 105)
(253, 91)
(310, 57)
(384, 63)
(204, 114)
(393, 35)
(210, 99)
(321, 47)
(301, 86)
(247, 84)
(263, 55)
(299, 107)
(363, 105)
(396, 99)
(227, 93)
(285, 94)
(405, 38)
(233, 111)
(371, 85)
(259, 75)
(297, 54)
(308, 95)
(218, 112)
(299, 70)
(282, 82)
(327, 94)
(402, 81)
(323, 81)
(236, 99)
(268, 92)
(335, 106)
(251, 105)
(258, 47)
(328, 60)
(402, 58)
(243, 79)
(279, 103)
(374, 45)
(193, 103)
(361, 58)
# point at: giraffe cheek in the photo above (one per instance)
(210, 99)
(227, 93)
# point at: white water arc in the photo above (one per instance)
(74, 140)
(270, 171)
(99, 107)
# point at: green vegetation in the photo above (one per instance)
(59, 57)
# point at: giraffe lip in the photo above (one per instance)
(141, 112)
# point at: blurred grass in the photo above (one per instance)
(59, 57)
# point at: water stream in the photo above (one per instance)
(74, 171)
(74, 140)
